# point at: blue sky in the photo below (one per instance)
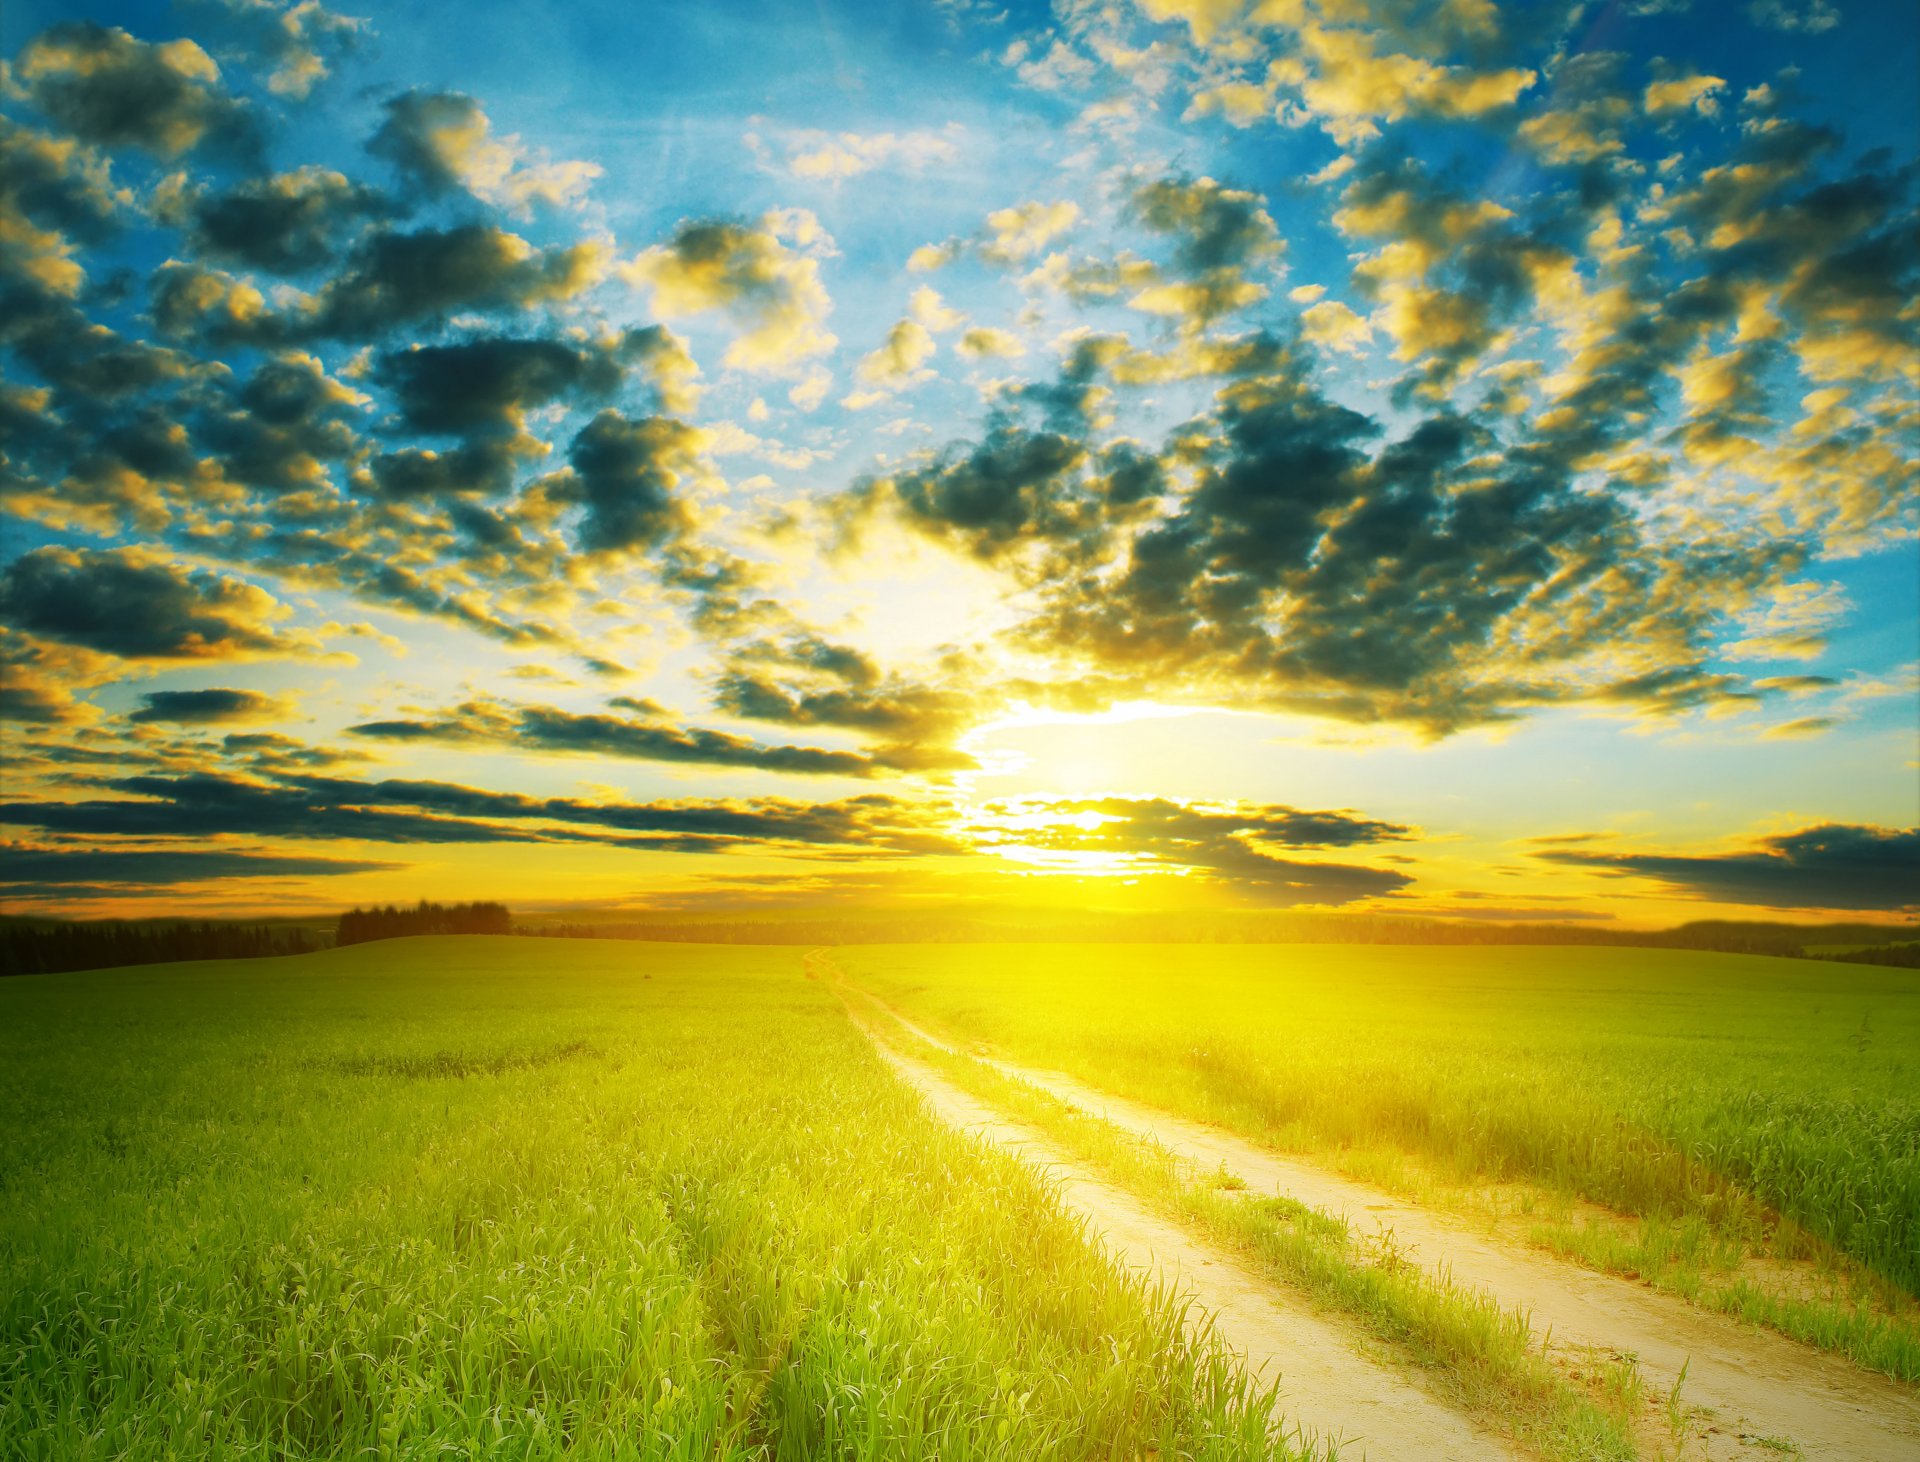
(1427, 458)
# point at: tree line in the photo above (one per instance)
(49, 949)
(359, 926)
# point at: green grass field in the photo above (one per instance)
(517, 1198)
(531, 1198)
(1757, 1119)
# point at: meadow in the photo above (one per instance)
(1742, 1130)
(519, 1198)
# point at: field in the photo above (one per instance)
(1757, 1120)
(518, 1198)
(543, 1198)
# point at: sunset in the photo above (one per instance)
(1456, 462)
(1061, 527)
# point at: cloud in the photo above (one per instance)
(301, 41)
(626, 474)
(807, 681)
(648, 737)
(1335, 326)
(64, 186)
(748, 271)
(1021, 231)
(139, 605)
(1060, 67)
(106, 87)
(1203, 18)
(37, 872)
(1017, 487)
(1810, 17)
(211, 707)
(836, 156)
(1828, 866)
(391, 279)
(1801, 728)
(907, 348)
(309, 806)
(285, 223)
(1344, 81)
(443, 141)
(280, 429)
(38, 681)
(485, 385)
(1686, 92)
(985, 342)
(930, 310)
(1213, 842)
(1219, 234)
(208, 805)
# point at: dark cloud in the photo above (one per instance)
(1220, 233)
(1013, 490)
(535, 728)
(57, 185)
(919, 713)
(805, 680)
(417, 473)
(281, 429)
(411, 137)
(31, 872)
(626, 475)
(484, 386)
(304, 805)
(214, 706)
(888, 823)
(400, 278)
(37, 683)
(273, 751)
(286, 223)
(390, 279)
(139, 605)
(206, 805)
(1829, 866)
(299, 41)
(107, 87)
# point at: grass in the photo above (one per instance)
(1757, 1120)
(506, 1198)
(1478, 1352)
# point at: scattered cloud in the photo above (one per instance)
(215, 706)
(1827, 866)
(751, 273)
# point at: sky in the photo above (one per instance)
(1450, 458)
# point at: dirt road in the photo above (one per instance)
(1757, 1393)
(1327, 1388)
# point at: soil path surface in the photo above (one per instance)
(1327, 1389)
(1759, 1393)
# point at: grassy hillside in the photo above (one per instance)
(1748, 1112)
(515, 1198)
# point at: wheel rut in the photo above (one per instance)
(1327, 1389)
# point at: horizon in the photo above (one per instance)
(1186, 457)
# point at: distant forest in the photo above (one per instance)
(30, 946)
(47, 948)
(359, 926)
